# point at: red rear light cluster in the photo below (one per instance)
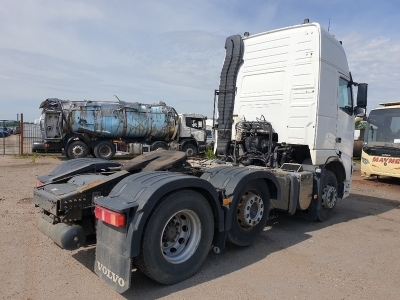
(39, 183)
(109, 216)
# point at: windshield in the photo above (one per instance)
(383, 128)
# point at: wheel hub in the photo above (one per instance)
(189, 152)
(77, 151)
(250, 210)
(171, 232)
(105, 151)
(329, 197)
(181, 236)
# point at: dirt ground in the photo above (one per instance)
(355, 255)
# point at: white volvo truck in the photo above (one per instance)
(284, 141)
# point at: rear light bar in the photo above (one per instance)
(109, 216)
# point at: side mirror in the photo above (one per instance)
(359, 111)
(362, 95)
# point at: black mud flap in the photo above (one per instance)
(113, 268)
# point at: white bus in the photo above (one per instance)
(381, 149)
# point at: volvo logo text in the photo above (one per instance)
(111, 275)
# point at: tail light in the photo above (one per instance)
(109, 216)
(39, 183)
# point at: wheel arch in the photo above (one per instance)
(191, 141)
(74, 138)
(335, 165)
(154, 147)
(232, 179)
(142, 192)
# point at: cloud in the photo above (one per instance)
(171, 51)
(373, 59)
(46, 27)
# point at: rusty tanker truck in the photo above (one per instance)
(101, 128)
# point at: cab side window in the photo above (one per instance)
(194, 123)
(197, 123)
(345, 96)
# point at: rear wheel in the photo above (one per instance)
(77, 149)
(328, 196)
(159, 146)
(104, 150)
(177, 238)
(250, 213)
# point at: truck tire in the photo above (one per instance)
(77, 149)
(250, 213)
(104, 150)
(328, 197)
(177, 237)
(190, 150)
(158, 146)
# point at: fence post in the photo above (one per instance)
(21, 126)
(4, 139)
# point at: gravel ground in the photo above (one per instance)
(355, 255)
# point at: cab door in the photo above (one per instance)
(345, 123)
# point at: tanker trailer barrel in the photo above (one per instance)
(124, 120)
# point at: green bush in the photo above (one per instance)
(209, 154)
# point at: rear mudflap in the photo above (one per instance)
(113, 268)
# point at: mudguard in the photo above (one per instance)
(113, 268)
(136, 196)
(77, 166)
(231, 179)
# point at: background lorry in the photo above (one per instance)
(284, 142)
(99, 128)
(380, 154)
(210, 132)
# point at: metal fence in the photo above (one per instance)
(17, 137)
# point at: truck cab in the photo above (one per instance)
(296, 80)
(192, 133)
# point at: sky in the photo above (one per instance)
(170, 50)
